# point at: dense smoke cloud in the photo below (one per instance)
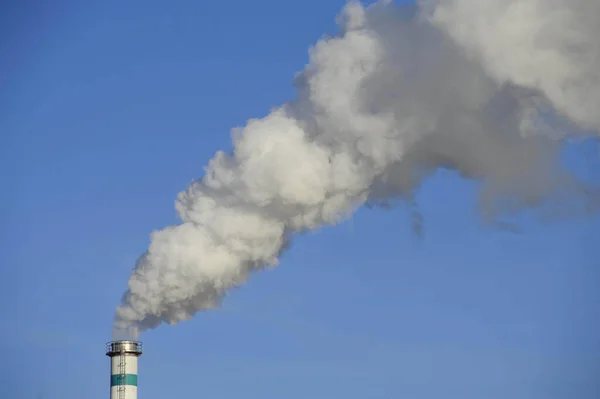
(489, 88)
(548, 45)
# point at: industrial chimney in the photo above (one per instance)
(123, 368)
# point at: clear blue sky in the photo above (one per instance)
(109, 108)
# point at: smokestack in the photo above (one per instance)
(123, 368)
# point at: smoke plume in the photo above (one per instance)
(488, 88)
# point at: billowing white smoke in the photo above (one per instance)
(549, 45)
(478, 86)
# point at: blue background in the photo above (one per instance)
(108, 109)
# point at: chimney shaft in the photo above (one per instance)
(123, 368)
